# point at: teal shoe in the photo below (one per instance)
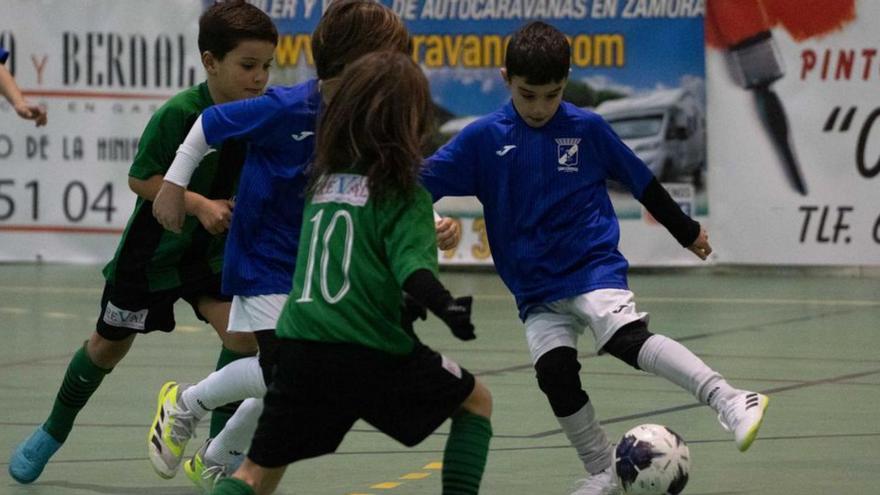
(31, 456)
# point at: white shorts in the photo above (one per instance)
(253, 313)
(558, 324)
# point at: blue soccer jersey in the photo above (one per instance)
(549, 219)
(279, 128)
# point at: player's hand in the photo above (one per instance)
(457, 316)
(448, 233)
(169, 208)
(32, 111)
(215, 215)
(701, 246)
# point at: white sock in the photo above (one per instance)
(667, 358)
(588, 438)
(229, 446)
(238, 380)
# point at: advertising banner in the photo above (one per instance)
(794, 131)
(101, 68)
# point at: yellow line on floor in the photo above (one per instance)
(387, 485)
(415, 476)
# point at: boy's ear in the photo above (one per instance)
(209, 62)
(503, 72)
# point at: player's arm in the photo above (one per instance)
(425, 289)
(628, 169)
(214, 214)
(452, 170)
(25, 109)
(243, 119)
(169, 200)
(687, 231)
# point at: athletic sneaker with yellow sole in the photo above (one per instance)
(172, 428)
(742, 415)
(202, 471)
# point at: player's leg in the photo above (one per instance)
(222, 454)
(298, 421)
(124, 313)
(408, 399)
(467, 447)
(236, 345)
(552, 334)
(250, 479)
(739, 411)
(82, 378)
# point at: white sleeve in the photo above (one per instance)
(437, 217)
(189, 155)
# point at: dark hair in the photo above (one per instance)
(376, 124)
(350, 29)
(538, 52)
(226, 24)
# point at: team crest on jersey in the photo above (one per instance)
(343, 188)
(567, 154)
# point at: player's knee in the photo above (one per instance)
(627, 342)
(558, 374)
(479, 402)
(106, 353)
(240, 342)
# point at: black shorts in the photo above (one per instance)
(319, 390)
(125, 311)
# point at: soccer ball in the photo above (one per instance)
(652, 460)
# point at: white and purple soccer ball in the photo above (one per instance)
(652, 460)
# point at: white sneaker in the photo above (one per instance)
(742, 415)
(172, 428)
(601, 483)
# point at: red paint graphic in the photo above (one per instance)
(729, 22)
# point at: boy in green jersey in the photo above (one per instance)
(368, 233)
(153, 268)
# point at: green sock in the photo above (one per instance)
(221, 415)
(464, 458)
(232, 486)
(80, 381)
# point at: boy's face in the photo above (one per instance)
(536, 104)
(243, 72)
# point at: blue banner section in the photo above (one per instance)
(619, 47)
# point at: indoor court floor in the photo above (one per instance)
(811, 342)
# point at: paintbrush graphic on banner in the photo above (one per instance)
(756, 64)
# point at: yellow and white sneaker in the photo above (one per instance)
(172, 428)
(742, 415)
(202, 472)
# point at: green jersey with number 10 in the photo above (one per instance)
(354, 255)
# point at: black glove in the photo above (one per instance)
(410, 311)
(457, 316)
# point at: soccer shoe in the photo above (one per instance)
(601, 483)
(31, 456)
(172, 428)
(202, 471)
(742, 415)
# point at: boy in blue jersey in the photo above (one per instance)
(539, 166)
(264, 235)
(9, 90)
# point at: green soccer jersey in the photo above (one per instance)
(353, 258)
(149, 257)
